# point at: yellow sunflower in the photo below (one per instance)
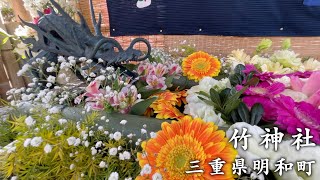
(177, 144)
(199, 65)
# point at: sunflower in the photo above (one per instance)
(177, 144)
(199, 65)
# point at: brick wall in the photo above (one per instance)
(217, 45)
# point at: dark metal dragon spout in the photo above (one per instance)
(59, 34)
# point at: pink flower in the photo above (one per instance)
(293, 115)
(160, 70)
(263, 94)
(175, 69)
(47, 11)
(155, 82)
(310, 87)
(36, 20)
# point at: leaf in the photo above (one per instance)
(239, 69)
(209, 102)
(4, 33)
(5, 40)
(130, 67)
(168, 81)
(243, 112)
(235, 116)
(256, 113)
(224, 94)
(232, 105)
(204, 94)
(236, 79)
(214, 96)
(141, 107)
(146, 93)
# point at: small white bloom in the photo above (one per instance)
(72, 166)
(126, 155)
(113, 151)
(30, 121)
(93, 151)
(102, 164)
(143, 131)
(111, 136)
(128, 178)
(153, 135)
(86, 143)
(27, 142)
(100, 128)
(59, 133)
(156, 176)
(89, 61)
(117, 136)
(103, 118)
(14, 178)
(51, 79)
(113, 176)
(77, 142)
(48, 118)
(123, 122)
(62, 121)
(36, 141)
(146, 170)
(47, 148)
(101, 78)
(98, 144)
(71, 140)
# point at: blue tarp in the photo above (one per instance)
(215, 17)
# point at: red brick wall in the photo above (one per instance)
(218, 45)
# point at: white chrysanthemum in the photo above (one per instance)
(30, 121)
(117, 136)
(113, 176)
(311, 65)
(258, 60)
(36, 141)
(287, 58)
(98, 144)
(237, 57)
(275, 67)
(113, 151)
(48, 148)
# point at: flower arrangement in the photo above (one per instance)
(85, 120)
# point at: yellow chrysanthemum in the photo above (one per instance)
(199, 65)
(180, 142)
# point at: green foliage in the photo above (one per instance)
(224, 102)
(187, 50)
(65, 160)
(141, 107)
(243, 114)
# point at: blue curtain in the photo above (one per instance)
(311, 2)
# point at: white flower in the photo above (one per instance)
(77, 142)
(51, 79)
(30, 121)
(100, 78)
(103, 118)
(102, 164)
(89, 61)
(48, 118)
(156, 176)
(14, 178)
(146, 170)
(59, 133)
(100, 128)
(47, 148)
(27, 142)
(72, 166)
(153, 135)
(117, 136)
(123, 122)
(126, 155)
(23, 70)
(54, 110)
(128, 178)
(287, 58)
(86, 143)
(143, 131)
(71, 140)
(295, 95)
(113, 176)
(113, 151)
(62, 121)
(93, 151)
(36, 141)
(98, 144)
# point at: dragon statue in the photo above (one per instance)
(60, 35)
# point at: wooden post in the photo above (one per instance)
(20, 10)
(8, 68)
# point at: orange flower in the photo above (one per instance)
(180, 142)
(199, 65)
(166, 111)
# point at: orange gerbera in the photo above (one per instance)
(165, 105)
(199, 65)
(177, 144)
